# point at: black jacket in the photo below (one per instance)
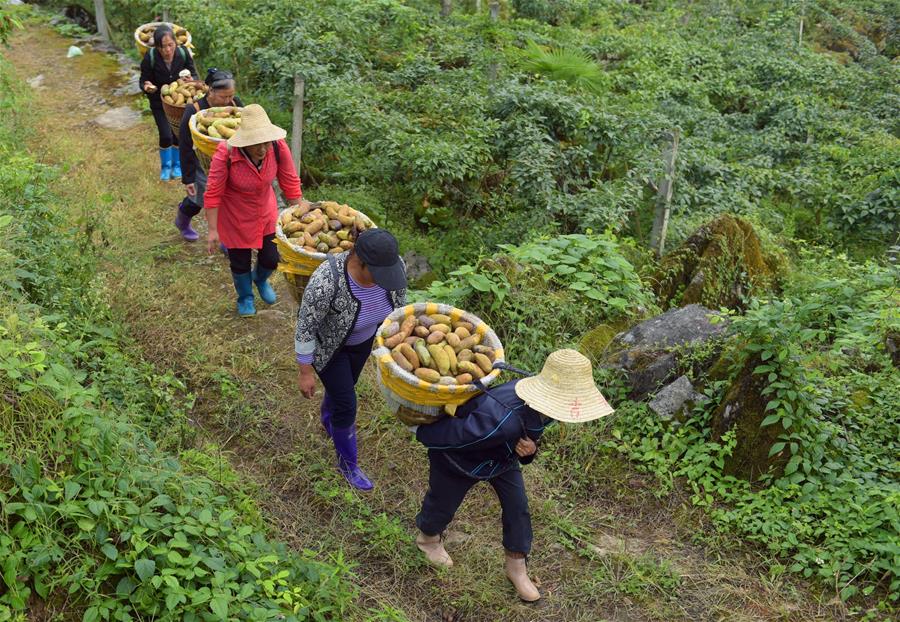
(480, 441)
(159, 74)
(186, 141)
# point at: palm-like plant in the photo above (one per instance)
(567, 65)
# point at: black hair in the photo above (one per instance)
(219, 78)
(160, 33)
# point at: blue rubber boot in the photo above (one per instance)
(243, 284)
(345, 445)
(165, 164)
(176, 162)
(261, 278)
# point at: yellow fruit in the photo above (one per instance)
(440, 358)
(483, 362)
(434, 338)
(451, 357)
(468, 367)
(422, 350)
(401, 360)
(428, 375)
(440, 318)
(409, 354)
(464, 379)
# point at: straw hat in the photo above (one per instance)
(564, 390)
(255, 128)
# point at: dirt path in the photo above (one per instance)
(605, 547)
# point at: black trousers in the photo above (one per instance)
(340, 377)
(166, 137)
(267, 257)
(447, 488)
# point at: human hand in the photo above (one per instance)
(212, 241)
(149, 87)
(525, 447)
(191, 190)
(307, 382)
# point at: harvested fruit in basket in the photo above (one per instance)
(323, 226)
(439, 350)
(145, 34)
(183, 92)
(220, 122)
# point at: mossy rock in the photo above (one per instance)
(595, 342)
(720, 265)
(743, 409)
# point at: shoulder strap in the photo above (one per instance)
(332, 263)
(152, 56)
(183, 53)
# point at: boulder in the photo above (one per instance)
(720, 265)
(671, 398)
(743, 409)
(650, 352)
(418, 270)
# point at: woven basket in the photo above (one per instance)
(296, 283)
(143, 48)
(296, 259)
(410, 397)
(173, 114)
(204, 146)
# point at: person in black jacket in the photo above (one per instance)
(487, 439)
(221, 93)
(162, 65)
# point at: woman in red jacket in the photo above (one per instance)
(240, 203)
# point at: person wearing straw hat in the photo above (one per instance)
(240, 204)
(488, 439)
(161, 65)
(221, 93)
(346, 300)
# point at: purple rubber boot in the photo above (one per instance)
(345, 445)
(183, 223)
(325, 415)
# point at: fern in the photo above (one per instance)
(566, 65)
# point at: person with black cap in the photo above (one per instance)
(347, 298)
(221, 93)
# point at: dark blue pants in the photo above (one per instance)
(267, 257)
(339, 378)
(447, 488)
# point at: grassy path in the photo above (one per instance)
(605, 547)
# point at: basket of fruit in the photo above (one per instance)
(210, 127)
(177, 95)
(430, 356)
(307, 233)
(143, 36)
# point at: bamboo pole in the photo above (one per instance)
(297, 129)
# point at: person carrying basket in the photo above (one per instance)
(240, 204)
(488, 439)
(347, 298)
(161, 65)
(221, 93)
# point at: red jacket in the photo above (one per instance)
(244, 196)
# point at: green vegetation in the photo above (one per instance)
(96, 515)
(521, 158)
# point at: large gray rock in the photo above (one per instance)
(649, 352)
(671, 398)
(121, 118)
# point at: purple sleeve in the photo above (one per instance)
(305, 359)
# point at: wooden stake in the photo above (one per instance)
(100, 17)
(664, 195)
(446, 8)
(495, 10)
(297, 129)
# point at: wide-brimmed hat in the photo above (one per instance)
(255, 128)
(565, 390)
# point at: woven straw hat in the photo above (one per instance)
(255, 128)
(565, 390)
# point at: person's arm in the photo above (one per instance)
(215, 189)
(186, 151)
(312, 311)
(287, 176)
(481, 429)
(147, 75)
